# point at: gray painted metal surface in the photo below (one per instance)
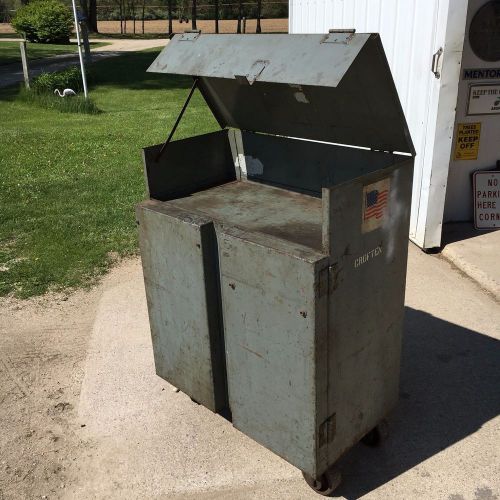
(179, 260)
(366, 304)
(273, 58)
(298, 248)
(174, 174)
(256, 207)
(275, 307)
(333, 92)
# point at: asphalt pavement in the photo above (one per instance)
(11, 74)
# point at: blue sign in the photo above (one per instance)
(481, 74)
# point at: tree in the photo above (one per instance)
(89, 8)
(193, 15)
(216, 15)
(170, 17)
(143, 11)
(131, 11)
(259, 12)
(240, 15)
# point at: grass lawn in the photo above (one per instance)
(10, 53)
(69, 182)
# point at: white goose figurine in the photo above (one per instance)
(65, 92)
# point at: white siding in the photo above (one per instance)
(411, 32)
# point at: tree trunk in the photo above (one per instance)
(216, 15)
(133, 13)
(259, 11)
(121, 16)
(125, 15)
(240, 15)
(169, 17)
(143, 9)
(193, 15)
(92, 19)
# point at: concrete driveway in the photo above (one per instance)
(87, 417)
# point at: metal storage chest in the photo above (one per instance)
(275, 249)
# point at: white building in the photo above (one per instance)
(445, 58)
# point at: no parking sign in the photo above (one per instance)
(487, 199)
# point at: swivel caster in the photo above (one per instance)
(377, 435)
(326, 483)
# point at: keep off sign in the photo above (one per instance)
(467, 144)
(487, 200)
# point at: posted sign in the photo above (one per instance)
(487, 199)
(484, 99)
(467, 143)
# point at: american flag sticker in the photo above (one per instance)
(375, 204)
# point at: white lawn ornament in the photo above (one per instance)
(65, 92)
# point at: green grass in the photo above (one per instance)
(69, 182)
(73, 104)
(10, 53)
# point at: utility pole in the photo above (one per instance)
(82, 65)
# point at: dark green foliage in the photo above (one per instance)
(67, 78)
(153, 9)
(44, 21)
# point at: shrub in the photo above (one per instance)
(67, 78)
(74, 104)
(44, 21)
(42, 88)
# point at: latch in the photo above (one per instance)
(190, 36)
(436, 63)
(343, 36)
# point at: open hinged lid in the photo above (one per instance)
(335, 88)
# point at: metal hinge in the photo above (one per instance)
(436, 63)
(343, 36)
(190, 36)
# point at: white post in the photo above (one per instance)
(82, 66)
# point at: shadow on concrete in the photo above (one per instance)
(449, 388)
(459, 231)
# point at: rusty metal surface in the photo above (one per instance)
(179, 259)
(255, 207)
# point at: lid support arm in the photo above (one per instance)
(174, 128)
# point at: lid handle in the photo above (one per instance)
(255, 71)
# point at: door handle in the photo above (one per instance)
(436, 63)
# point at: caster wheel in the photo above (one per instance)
(377, 435)
(326, 484)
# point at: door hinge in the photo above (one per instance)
(437, 63)
(343, 36)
